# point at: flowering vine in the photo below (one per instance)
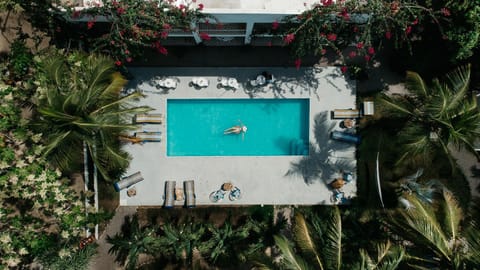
(130, 26)
(361, 25)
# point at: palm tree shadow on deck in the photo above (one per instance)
(321, 163)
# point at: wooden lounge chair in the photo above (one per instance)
(189, 187)
(149, 136)
(128, 181)
(345, 137)
(149, 118)
(169, 196)
(345, 113)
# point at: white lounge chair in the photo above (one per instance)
(189, 187)
(169, 196)
(368, 108)
(154, 118)
(128, 181)
(149, 136)
(345, 113)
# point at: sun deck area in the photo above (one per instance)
(263, 180)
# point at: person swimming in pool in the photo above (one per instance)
(236, 129)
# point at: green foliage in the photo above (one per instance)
(21, 59)
(67, 260)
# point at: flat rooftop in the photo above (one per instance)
(278, 180)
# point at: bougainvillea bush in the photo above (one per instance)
(130, 26)
(331, 26)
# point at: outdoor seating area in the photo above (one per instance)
(199, 82)
(144, 137)
(166, 83)
(337, 185)
(176, 195)
(234, 193)
(262, 79)
(227, 83)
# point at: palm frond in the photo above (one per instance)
(289, 259)
(458, 80)
(395, 107)
(416, 85)
(333, 242)
(452, 214)
(303, 239)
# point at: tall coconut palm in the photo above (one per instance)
(439, 232)
(81, 105)
(434, 117)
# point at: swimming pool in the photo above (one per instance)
(276, 127)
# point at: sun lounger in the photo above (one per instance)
(368, 108)
(128, 181)
(169, 194)
(149, 136)
(345, 137)
(345, 113)
(149, 118)
(189, 187)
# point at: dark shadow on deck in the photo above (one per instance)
(319, 164)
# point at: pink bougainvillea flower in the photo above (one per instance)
(129, 59)
(367, 58)
(408, 30)
(275, 25)
(162, 50)
(289, 38)
(205, 36)
(332, 37)
(181, 6)
(120, 10)
(112, 42)
(167, 26)
(343, 69)
(371, 50)
(90, 24)
(114, 3)
(298, 63)
(359, 45)
(344, 14)
(327, 2)
(323, 51)
(200, 6)
(127, 52)
(415, 22)
(445, 12)
(352, 54)
(118, 63)
(388, 35)
(164, 34)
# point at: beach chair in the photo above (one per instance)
(345, 137)
(368, 108)
(148, 118)
(189, 187)
(169, 197)
(345, 114)
(128, 181)
(149, 136)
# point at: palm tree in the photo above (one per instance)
(81, 109)
(438, 231)
(433, 117)
(318, 245)
(133, 241)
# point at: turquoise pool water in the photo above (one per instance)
(276, 127)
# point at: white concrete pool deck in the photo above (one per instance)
(263, 180)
